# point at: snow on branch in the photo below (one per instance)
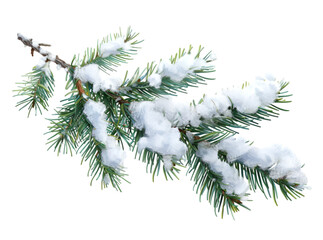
(36, 47)
(184, 66)
(160, 136)
(178, 70)
(114, 47)
(134, 110)
(101, 81)
(111, 155)
(279, 161)
(259, 93)
(231, 181)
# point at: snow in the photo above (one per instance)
(245, 100)
(35, 44)
(279, 161)
(112, 155)
(106, 179)
(190, 136)
(178, 112)
(19, 35)
(231, 181)
(46, 70)
(181, 68)
(168, 164)
(159, 136)
(51, 57)
(286, 162)
(261, 157)
(113, 47)
(41, 63)
(43, 66)
(234, 147)
(218, 105)
(155, 80)
(95, 113)
(298, 178)
(287, 166)
(43, 51)
(261, 92)
(101, 81)
(160, 118)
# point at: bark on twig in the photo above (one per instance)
(49, 57)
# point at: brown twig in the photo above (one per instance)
(57, 60)
(62, 63)
(29, 43)
(79, 87)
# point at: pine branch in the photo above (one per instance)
(137, 88)
(35, 47)
(69, 126)
(100, 115)
(219, 128)
(209, 183)
(154, 160)
(90, 150)
(109, 63)
(258, 178)
(37, 89)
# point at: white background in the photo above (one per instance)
(47, 197)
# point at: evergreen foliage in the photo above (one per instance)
(70, 131)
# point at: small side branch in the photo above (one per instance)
(36, 47)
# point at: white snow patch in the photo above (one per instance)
(178, 112)
(101, 81)
(41, 63)
(43, 51)
(262, 157)
(35, 44)
(160, 136)
(106, 179)
(278, 160)
(298, 178)
(155, 80)
(181, 68)
(217, 105)
(168, 164)
(261, 92)
(51, 57)
(234, 146)
(113, 47)
(112, 155)
(285, 160)
(231, 181)
(43, 66)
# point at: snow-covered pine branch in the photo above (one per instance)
(111, 154)
(103, 113)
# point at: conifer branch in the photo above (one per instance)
(36, 47)
(102, 114)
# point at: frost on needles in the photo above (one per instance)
(103, 115)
